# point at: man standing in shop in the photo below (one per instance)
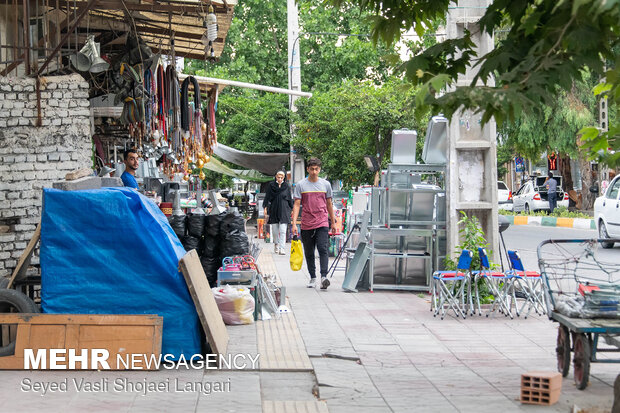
(131, 166)
(314, 194)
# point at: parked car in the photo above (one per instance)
(532, 196)
(504, 196)
(607, 213)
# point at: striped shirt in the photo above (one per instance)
(313, 197)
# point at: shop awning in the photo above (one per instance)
(264, 162)
(247, 174)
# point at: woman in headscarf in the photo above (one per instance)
(278, 204)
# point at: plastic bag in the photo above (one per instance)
(234, 243)
(297, 254)
(236, 304)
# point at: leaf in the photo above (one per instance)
(602, 88)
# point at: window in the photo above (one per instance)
(614, 188)
(501, 185)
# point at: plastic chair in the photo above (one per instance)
(530, 283)
(497, 282)
(448, 288)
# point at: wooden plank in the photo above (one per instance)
(201, 293)
(24, 261)
(120, 335)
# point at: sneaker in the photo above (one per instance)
(312, 283)
(324, 283)
(282, 252)
(275, 248)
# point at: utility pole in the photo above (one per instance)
(294, 81)
(471, 182)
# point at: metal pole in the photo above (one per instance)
(294, 79)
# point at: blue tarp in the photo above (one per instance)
(112, 251)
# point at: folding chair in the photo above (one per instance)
(448, 288)
(530, 283)
(497, 282)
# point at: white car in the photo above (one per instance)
(532, 196)
(607, 213)
(504, 196)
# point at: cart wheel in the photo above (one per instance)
(562, 350)
(581, 361)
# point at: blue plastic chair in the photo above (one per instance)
(530, 283)
(498, 283)
(448, 288)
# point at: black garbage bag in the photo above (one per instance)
(210, 247)
(191, 243)
(210, 267)
(235, 243)
(232, 222)
(196, 224)
(212, 224)
(177, 222)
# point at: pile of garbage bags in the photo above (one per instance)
(214, 237)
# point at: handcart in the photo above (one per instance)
(582, 293)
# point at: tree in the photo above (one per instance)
(555, 129)
(548, 45)
(342, 125)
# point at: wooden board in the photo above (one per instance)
(201, 293)
(24, 261)
(123, 335)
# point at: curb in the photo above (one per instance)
(580, 223)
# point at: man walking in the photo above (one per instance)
(314, 195)
(552, 191)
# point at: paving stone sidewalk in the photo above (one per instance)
(385, 352)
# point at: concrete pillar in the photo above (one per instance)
(472, 160)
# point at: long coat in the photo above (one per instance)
(278, 202)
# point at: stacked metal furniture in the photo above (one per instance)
(407, 232)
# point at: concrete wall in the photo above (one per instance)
(31, 157)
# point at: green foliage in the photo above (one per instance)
(547, 46)
(472, 238)
(353, 120)
(256, 51)
(255, 123)
(561, 212)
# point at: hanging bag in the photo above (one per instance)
(297, 254)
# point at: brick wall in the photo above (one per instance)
(31, 157)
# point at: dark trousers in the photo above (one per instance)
(553, 201)
(319, 238)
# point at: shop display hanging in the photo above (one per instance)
(164, 124)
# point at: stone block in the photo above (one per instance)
(111, 182)
(88, 182)
(53, 156)
(57, 95)
(7, 104)
(7, 237)
(12, 122)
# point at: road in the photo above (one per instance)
(526, 238)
